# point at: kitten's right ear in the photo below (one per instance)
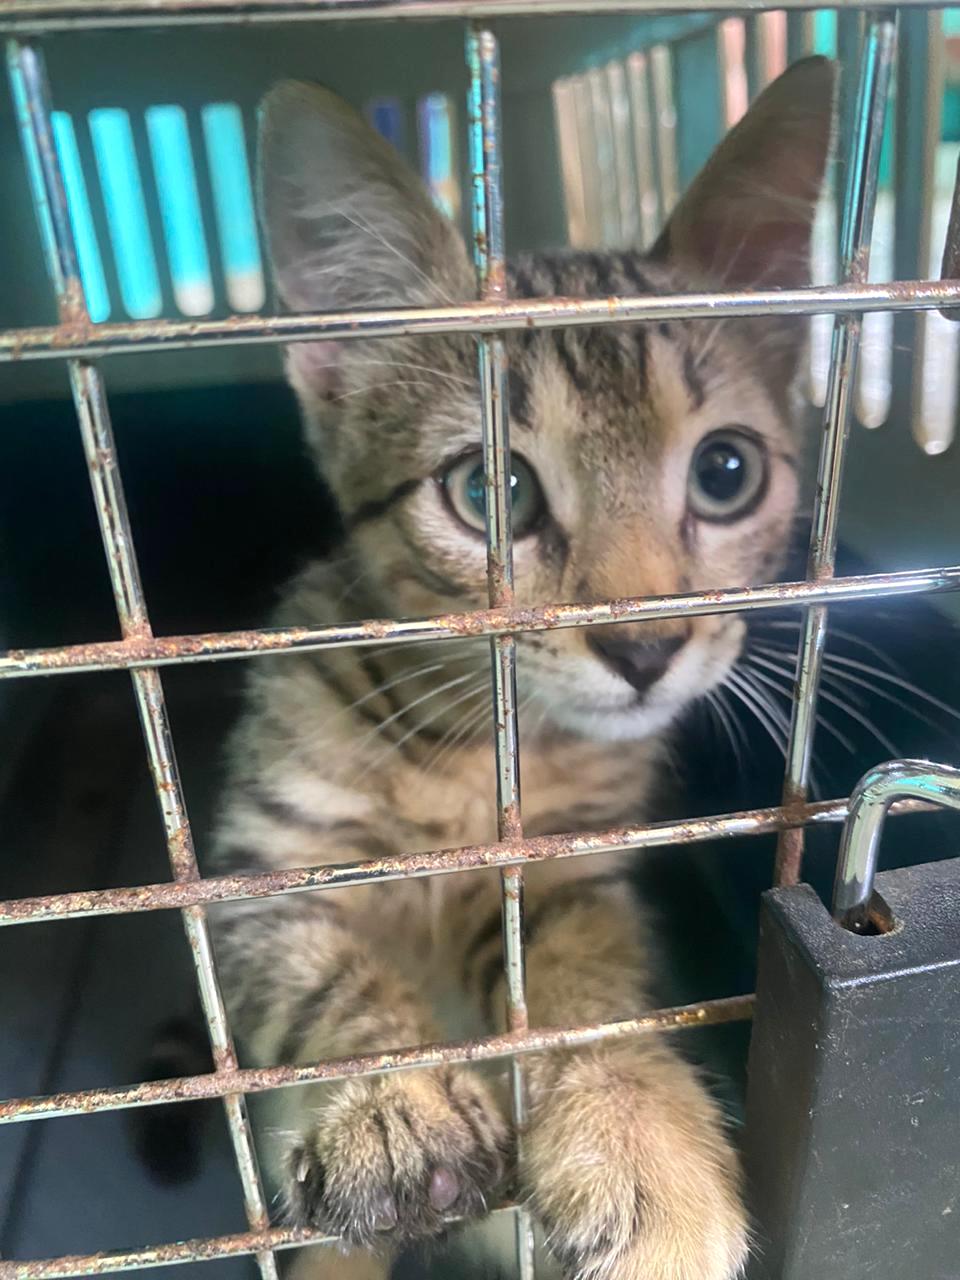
(348, 223)
(747, 218)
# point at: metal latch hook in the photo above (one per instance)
(873, 795)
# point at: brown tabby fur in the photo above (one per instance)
(352, 754)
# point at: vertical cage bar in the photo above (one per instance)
(876, 63)
(31, 96)
(483, 61)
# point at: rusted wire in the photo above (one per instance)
(270, 884)
(180, 1252)
(78, 337)
(160, 1255)
(217, 1084)
(483, 68)
(157, 651)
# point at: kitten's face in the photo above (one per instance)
(648, 459)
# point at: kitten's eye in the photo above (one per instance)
(466, 492)
(728, 475)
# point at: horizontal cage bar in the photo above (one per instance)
(504, 853)
(134, 652)
(77, 337)
(217, 1084)
(207, 1249)
(19, 16)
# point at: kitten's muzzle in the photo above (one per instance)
(640, 662)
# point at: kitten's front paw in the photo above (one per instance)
(392, 1157)
(630, 1173)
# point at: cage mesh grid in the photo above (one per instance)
(142, 653)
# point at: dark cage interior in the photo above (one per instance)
(224, 505)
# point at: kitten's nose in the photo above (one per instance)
(639, 663)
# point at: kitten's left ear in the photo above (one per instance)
(746, 219)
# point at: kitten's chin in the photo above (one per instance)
(630, 723)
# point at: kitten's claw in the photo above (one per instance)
(394, 1156)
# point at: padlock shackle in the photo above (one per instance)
(873, 795)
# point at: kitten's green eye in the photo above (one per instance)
(728, 475)
(465, 489)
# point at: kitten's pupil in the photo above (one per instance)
(728, 475)
(721, 472)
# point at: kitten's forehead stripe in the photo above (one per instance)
(604, 361)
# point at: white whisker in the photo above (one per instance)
(794, 624)
(321, 732)
(363, 224)
(461, 729)
(393, 747)
(367, 388)
(822, 720)
(842, 661)
(748, 697)
(722, 715)
(365, 362)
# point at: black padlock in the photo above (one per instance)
(852, 1140)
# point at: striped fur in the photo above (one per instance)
(349, 755)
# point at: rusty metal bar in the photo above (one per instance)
(37, 16)
(32, 99)
(32, 110)
(484, 124)
(83, 339)
(876, 65)
(83, 903)
(217, 1084)
(158, 651)
(182, 1251)
(160, 1255)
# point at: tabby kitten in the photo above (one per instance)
(651, 458)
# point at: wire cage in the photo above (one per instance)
(82, 336)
